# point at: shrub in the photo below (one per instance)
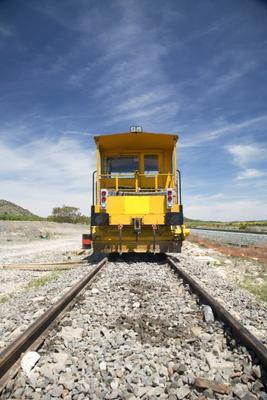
(14, 217)
(243, 226)
(68, 214)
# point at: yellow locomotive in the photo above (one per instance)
(136, 194)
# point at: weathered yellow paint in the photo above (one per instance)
(129, 197)
(122, 209)
(136, 205)
(109, 240)
(154, 219)
(175, 208)
(137, 181)
(117, 219)
(115, 205)
(157, 204)
(158, 219)
(181, 231)
(129, 141)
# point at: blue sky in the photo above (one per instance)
(71, 69)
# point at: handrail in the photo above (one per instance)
(132, 175)
(135, 176)
(179, 189)
(93, 188)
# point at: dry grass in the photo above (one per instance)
(258, 286)
(259, 289)
(4, 299)
(36, 283)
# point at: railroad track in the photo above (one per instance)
(230, 231)
(138, 291)
(33, 337)
(64, 265)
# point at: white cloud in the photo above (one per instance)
(226, 81)
(79, 133)
(130, 60)
(250, 173)
(222, 208)
(244, 153)
(5, 30)
(210, 135)
(157, 112)
(143, 100)
(46, 173)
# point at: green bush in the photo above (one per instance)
(82, 219)
(243, 226)
(13, 217)
(68, 214)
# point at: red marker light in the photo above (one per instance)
(169, 198)
(103, 198)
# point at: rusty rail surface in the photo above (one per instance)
(36, 332)
(44, 266)
(12, 353)
(229, 230)
(240, 332)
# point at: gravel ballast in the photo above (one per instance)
(25, 295)
(221, 276)
(235, 238)
(18, 310)
(111, 322)
(138, 333)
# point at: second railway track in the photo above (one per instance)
(138, 332)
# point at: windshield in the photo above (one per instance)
(151, 164)
(120, 165)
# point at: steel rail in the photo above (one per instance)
(44, 266)
(229, 230)
(12, 353)
(240, 332)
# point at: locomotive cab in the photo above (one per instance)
(137, 194)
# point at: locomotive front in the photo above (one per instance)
(136, 203)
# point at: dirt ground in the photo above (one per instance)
(35, 242)
(44, 242)
(239, 283)
(21, 242)
(13, 232)
(258, 253)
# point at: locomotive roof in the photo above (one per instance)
(142, 140)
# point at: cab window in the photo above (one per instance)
(151, 164)
(120, 165)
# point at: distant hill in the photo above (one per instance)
(188, 219)
(8, 208)
(248, 226)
